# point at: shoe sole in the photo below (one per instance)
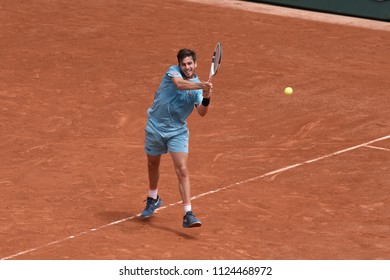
(145, 217)
(197, 224)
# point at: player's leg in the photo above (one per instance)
(154, 147)
(178, 149)
(153, 172)
(180, 162)
(153, 200)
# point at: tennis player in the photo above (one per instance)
(166, 130)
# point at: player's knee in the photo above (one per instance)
(153, 164)
(182, 171)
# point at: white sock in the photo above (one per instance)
(153, 194)
(187, 207)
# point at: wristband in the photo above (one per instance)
(206, 102)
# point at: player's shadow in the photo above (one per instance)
(158, 226)
(114, 216)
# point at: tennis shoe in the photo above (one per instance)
(151, 206)
(189, 220)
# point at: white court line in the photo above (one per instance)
(198, 196)
(378, 148)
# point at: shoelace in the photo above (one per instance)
(149, 201)
(189, 216)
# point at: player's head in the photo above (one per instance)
(187, 62)
(183, 53)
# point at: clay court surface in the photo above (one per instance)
(305, 176)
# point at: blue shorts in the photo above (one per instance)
(157, 143)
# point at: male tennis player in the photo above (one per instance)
(167, 132)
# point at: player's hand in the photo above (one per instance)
(206, 86)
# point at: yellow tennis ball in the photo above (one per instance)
(288, 90)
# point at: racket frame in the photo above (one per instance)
(216, 60)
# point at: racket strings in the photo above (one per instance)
(216, 59)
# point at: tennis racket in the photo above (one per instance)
(216, 61)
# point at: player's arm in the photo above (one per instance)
(182, 84)
(204, 106)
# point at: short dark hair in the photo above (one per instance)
(183, 53)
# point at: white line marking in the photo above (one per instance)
(378, 148)
(198, 196)
(215, 159)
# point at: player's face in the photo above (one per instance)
(188, 66)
